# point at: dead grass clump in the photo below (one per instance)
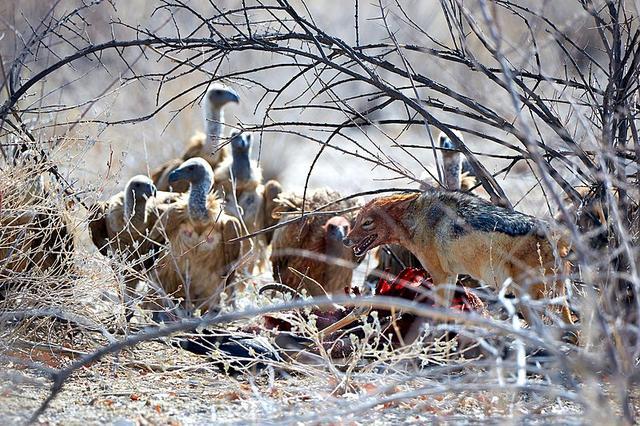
(36, 233)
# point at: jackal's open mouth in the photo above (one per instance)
(364, 245)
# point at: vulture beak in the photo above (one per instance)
(220, 95)
(149, 193)
(341, 233)
(232, 96)
(245, 142)
(446, 143)
(175, 176)
(241, 145)
(240, 142)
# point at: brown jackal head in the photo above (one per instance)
(380, 222)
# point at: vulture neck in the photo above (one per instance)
(135, 209)
(213, 124)
(336, 250)
(452, 163)
(198, 196)
(241, 166)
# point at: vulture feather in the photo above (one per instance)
(201, 256)
(309, 254)
(246, 198)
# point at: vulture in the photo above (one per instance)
(240, 180)
(121, 223)
(122, 226)
(205, 145)
(309, 254)
(201, 254)
(239, 170)
(457, 171)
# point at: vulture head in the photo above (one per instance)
(335, 231)
(141, 187)
(241, 154)
(215, 99)
(241, 143)
(219, 95)
(197, 171)
(445, 142)
(136, 193)
(380, 221)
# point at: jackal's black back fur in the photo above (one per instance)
(483, 216)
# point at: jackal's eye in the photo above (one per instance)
(367, 224)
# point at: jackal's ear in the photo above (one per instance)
(426, 181)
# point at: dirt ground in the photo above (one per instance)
(158, 384)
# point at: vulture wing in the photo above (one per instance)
(98, 227)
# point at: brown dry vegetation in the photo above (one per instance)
(545, 93)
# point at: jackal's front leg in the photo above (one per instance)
(541, 291)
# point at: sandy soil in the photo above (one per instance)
(158, 384)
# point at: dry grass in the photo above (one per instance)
(189, 391)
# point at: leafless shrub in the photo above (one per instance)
(555, 109)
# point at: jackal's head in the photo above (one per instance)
(379, 222)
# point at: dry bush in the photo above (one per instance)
(546, 96)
